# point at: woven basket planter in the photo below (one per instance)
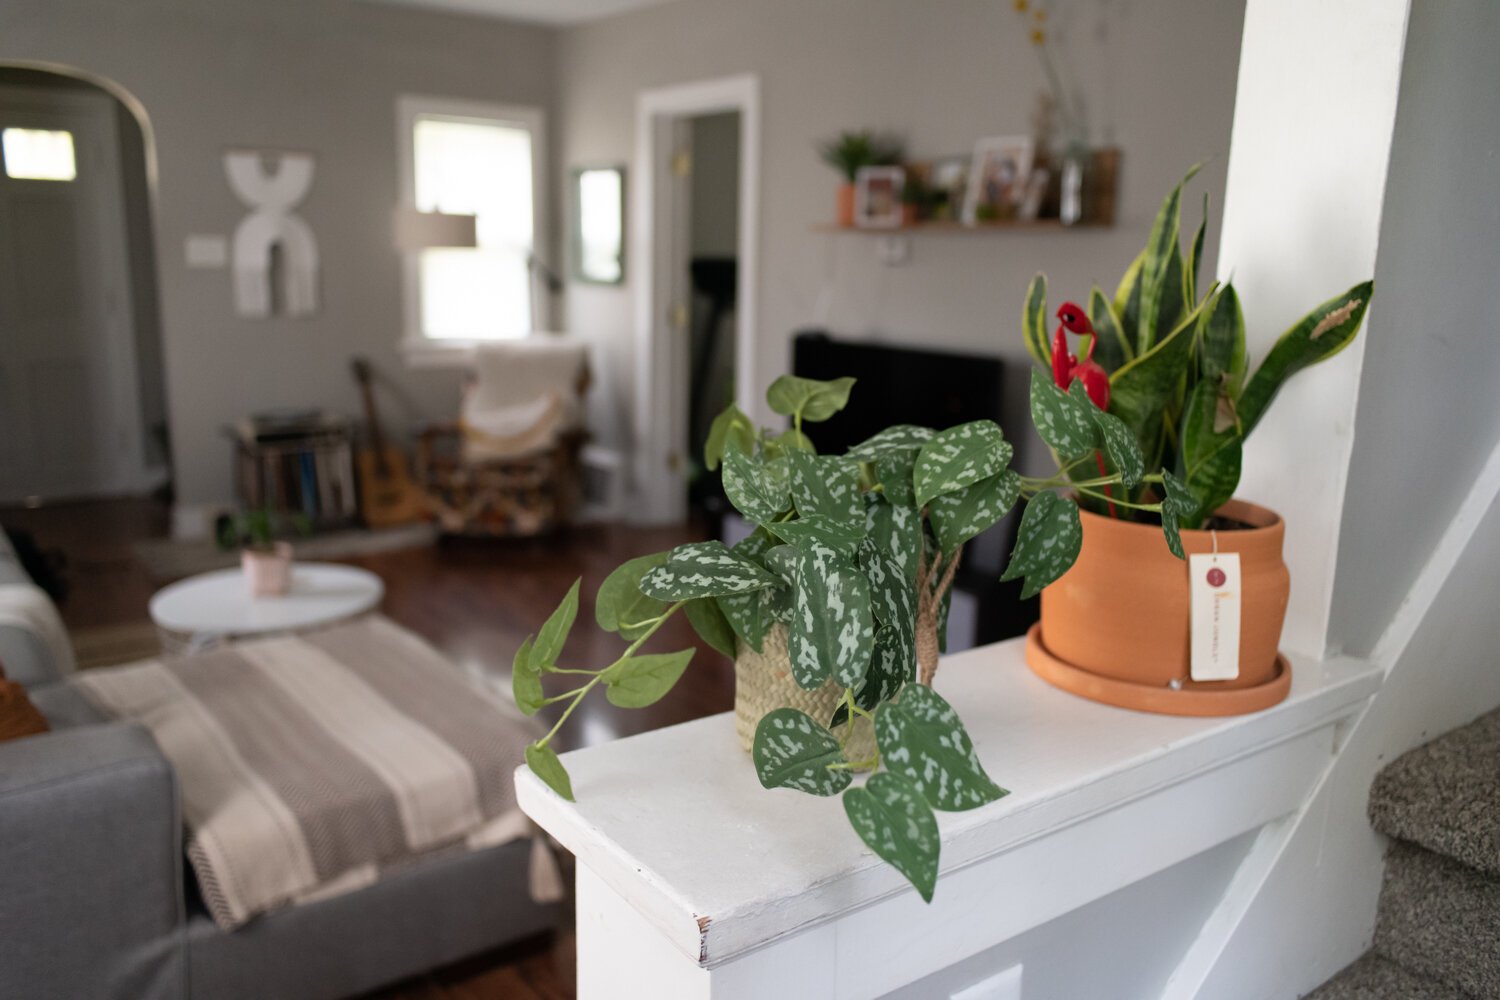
(763, 682)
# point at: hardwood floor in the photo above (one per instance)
(477, 601)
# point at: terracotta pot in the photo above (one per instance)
(846, 205)
(268, 574)
(908, 215)
(1115, 627)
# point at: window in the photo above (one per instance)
(466, 159)
(34, 154)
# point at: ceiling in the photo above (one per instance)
(539, 11)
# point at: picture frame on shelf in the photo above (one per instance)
(877, 197)
(998, 176)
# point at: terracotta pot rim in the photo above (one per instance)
(1255, 518)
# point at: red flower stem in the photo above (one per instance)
(1109, 497)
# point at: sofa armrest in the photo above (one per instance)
(91, 901)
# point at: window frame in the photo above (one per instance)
(415, 346)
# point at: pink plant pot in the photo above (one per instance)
(268, 574)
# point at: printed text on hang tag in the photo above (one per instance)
(1215, 597)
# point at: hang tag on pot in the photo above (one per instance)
(1215, 597)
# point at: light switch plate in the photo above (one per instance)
(1001, 986)
(207, 252)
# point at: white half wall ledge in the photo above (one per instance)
(1314, 116)
(725, 882)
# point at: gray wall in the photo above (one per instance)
(942, 73)
(1427, 417)
(322, 76)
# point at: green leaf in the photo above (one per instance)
(897, 438)
(1161, 270)
(729, 426)
(792, 751)
(709, 622)
(549, 641)
(545, 764)
(958, 457)
(922, 738)
(1062, 420)
(1114, 348)
(892, 594)
(895, 472)
(781, 560)
(1319, 335)
(620, 606)
(752, 487)
(1195, 257)
(815, 400)
(1128, 298)
(1178, 505)
(747, 615)
(704, 569)
(944, 607)
(1221, 338)
(897, 532)
(826, 485)
(832, 632)
(1047, 542)
(1120, 446)
(892, 819)
(1140, 392)
(1034, 322)
(638, 681)
(1210, 459)
(958, 517)
(836, 533)
(526, 681)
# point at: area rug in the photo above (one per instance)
(168, 559)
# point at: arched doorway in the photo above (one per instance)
(82, 393)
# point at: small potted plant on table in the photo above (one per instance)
(265, 555)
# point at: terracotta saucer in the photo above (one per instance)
(1164, 701)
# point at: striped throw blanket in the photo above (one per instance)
(308, 764)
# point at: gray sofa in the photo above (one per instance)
(96, 900)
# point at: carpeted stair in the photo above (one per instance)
(1437, 933)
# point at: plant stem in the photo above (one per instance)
(1153, 507)
(566, 670)
(855, 765)
(579, 693)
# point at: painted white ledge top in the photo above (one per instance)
(676, 822)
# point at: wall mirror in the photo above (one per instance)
(598, 227)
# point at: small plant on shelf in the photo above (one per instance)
(863, 148)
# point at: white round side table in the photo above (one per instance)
(202, 610)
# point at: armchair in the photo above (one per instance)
(508, 466)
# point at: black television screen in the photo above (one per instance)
(897, 385)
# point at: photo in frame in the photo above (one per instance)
(997, 178)
(877, 197)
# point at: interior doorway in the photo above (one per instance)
(82, 399)
(696, 189)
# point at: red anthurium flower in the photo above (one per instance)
(1066, 366)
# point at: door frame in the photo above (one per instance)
(127, 473)
(661, 392)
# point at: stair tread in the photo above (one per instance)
(1445, 795)
(1440, 918)
(1375, 978)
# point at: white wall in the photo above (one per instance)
(321, 76)
(942, 73)
(1427, 415)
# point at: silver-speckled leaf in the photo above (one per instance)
(843, 534)
(893, 665)
(892, 819)
(896, 532)
(958, 457)
(1047, 542)
(892, 595)
(1178, 505)
(825, 485)
(900, 437)
(958, 517)
(1121, 447)
(753, 488)
(1061, 420)
(894, 473)
(792, 751)
(832, 632)
(781, 559)
(746, 615)
(922, 738)
(704, 569)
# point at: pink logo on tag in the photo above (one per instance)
(1216, 577)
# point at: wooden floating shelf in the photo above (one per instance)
(979, 228)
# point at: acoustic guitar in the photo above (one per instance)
(387, 495)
